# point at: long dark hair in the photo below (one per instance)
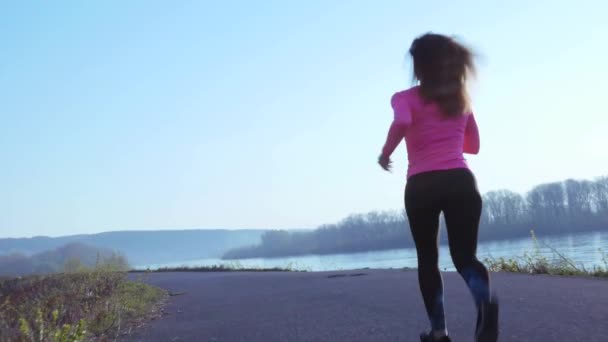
(442, 65)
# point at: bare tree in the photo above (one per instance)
(579, 197)
(547, 203)
(600, 195)
(504, 207)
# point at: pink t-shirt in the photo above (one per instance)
(434, 141)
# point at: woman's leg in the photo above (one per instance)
(423, 215)
(462, 210)
(462, 220)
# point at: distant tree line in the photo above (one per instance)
(572, 206)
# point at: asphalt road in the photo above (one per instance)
(367, 305)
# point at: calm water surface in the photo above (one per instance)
(584, 249)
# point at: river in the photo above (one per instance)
(588, 249)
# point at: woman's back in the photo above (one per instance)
(434, 141)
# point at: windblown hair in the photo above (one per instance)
(443, 65)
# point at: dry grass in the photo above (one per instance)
(235, 267)
(535, 262)
(97, 304)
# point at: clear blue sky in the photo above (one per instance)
(270, 114)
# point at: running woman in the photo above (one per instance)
(438, 125)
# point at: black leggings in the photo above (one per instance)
(453, 192)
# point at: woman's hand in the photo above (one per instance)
(385, 163)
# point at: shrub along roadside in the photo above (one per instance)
(535, 262)
(81, 305)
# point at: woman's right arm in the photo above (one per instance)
(471, 136)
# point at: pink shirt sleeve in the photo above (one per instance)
(402, 119)
(471, 136)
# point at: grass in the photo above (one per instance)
(536, 262)
(230, 267)
(87, 305)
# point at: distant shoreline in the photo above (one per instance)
(442, 242)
